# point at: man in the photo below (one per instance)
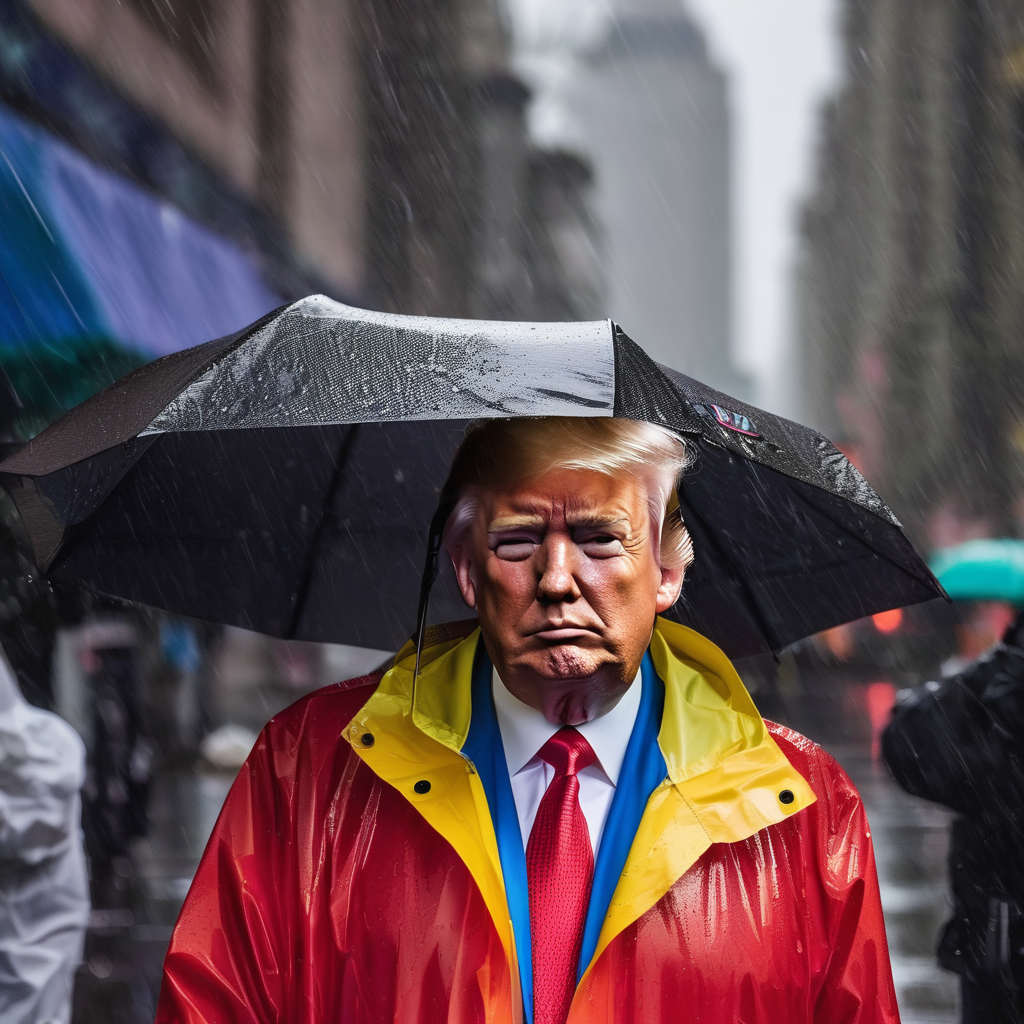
(574, 812)
(961, 744)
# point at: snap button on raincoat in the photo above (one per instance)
(336, 887)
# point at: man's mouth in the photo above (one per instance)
(564, 634)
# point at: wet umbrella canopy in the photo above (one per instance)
(283, 479)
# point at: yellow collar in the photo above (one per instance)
(725, 772)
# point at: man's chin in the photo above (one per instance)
(567, 662)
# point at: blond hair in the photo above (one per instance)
(499, 453)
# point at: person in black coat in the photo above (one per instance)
(961, 744)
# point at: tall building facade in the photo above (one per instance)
(655, 116)
(910, 294)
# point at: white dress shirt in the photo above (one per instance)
(524, 730)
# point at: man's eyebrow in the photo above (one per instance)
(515, 522)
(595, 519)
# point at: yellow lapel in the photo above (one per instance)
(417, 751)
(725, 775)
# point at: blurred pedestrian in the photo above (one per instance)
(119, 762)
(44, 890)
(961, 744)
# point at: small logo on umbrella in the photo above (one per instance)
(735, 421)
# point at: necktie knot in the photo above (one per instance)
(568, 752)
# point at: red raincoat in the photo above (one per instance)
(326, 895)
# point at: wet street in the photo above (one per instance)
(119, 980)
(911, 842)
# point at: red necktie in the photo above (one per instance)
(560, 870)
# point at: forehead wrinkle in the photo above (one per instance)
(585, 510)
(534, 509)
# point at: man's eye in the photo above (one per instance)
(516, 549)
(601, 545)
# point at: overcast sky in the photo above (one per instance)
(783, 58)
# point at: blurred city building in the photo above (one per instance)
(463, 216)
(910, 305)
(655, 115)
(910, 313)
(171, 170)
(630, 86)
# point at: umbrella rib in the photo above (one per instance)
(340, 462)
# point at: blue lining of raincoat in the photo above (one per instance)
(643, 770)
(484, 748)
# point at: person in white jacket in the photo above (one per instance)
(44, 888)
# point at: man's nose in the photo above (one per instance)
(557, 581)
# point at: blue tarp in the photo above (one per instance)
(97, 275)
(86, 253)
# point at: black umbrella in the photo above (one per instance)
(283, 479)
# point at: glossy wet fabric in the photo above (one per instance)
(325, 895)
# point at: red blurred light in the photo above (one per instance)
(888, 622)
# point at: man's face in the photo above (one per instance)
(564, 573)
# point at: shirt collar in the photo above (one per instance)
(524, 730)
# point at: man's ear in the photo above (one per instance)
(668, 592)
(461, 556)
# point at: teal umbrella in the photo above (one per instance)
(982, 570)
